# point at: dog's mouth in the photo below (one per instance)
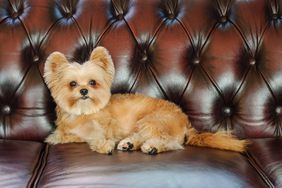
(84, 97)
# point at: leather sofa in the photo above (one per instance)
(219, 60)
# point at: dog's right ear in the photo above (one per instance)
(53, 63)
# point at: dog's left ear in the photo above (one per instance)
(102, 57)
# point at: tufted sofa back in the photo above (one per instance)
(220, 60)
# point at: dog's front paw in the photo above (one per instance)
(151, 150)
(125, 145)
(53, 139)
(106, 147)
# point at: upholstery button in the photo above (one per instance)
(144, 57)
(16, 10)
(252, 62)
(196, 61)
(227, 111)
(68, 15)
(171, 16)
(6, 109)
(275, 16)
(14, 15)
(120, 16)
(66, 10)
(35, 58)
(278, 110)
(223, 19)
(119, 8)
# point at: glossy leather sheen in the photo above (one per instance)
(219, 60)
(267, 155)
(193, 167)
(18, 163)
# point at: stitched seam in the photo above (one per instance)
(39, 168)
(35, 168)
(259, 170)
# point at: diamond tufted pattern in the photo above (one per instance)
(217, 59)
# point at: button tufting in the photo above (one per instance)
(16, 10)
(278, 110)
(6, 109)
(35, 58)
(274, 16)
(68, 15)
(227, 111)
(66, 9)
(223, 19)
(67, 12)
(120, 16)
(14, 15)
(120, 8)
(144, 57)
(196, 61)
(171, 16)
(170, 8)
(252, 62)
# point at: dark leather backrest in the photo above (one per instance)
(220, 60)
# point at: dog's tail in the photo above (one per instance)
(219, 140)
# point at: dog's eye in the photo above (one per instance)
(92, 82)
(73, 83)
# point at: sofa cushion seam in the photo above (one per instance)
(258, 168)
(40, 165)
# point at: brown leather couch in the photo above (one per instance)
(220, 60)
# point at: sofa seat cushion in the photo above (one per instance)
(266, 155)
(75, 165)
(18, 162)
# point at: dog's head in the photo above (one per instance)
(80, 88)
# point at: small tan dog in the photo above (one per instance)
(87, 112)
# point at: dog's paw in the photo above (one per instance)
(146, 148)
(53, 139)
(106, 148)
(125, 145)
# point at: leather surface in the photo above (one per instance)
(267, 154)
(18, 162)
(219, 60)
(193, 167)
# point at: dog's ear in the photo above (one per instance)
(53, 63)
(102, 57)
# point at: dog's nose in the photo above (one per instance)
(83, 92)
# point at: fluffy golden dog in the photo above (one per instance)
(87, 112)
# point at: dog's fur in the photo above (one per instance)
(132, 121)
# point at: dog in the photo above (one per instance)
(88, 112)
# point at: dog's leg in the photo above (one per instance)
(54, 138)
(132, 142)
(60, 137)
(95, 135)
(102, 145)
(154, 146)
(157, 132)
